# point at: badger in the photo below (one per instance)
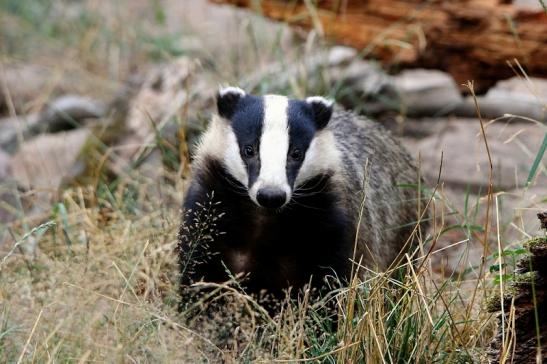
(287, 192)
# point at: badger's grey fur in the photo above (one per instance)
(376, 163)
(299, 187)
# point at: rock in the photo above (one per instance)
(340, 55)
(465, 162)
(514, 96)
(521, 97)
(4, 165)
(159, 103)
(31, 86)
(364, 87)
(493, 107)
(530, 5)
(109, 133)
(46, 161)
(68, 112)
(64, 113)
(357, 84)
(24, 82)
(162, 95)
(516, 213)
(11, 128)
(36, 173)
(512, 146)
(8, 193)
(9, 202)
(533, 90)
(427, 92)
(221, 29)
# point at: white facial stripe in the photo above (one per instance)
(220, 142)
(274, 142)
(321, 156)
(232, 158)
(274, 145)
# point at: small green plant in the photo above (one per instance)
(498, 270)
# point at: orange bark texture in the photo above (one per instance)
(470, 39)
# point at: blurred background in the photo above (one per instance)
(102, 102)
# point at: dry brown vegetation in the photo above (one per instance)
(101, 286)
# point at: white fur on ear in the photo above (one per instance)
(321, 109)
(319, 99)
(223, 91)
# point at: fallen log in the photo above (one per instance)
(470, 39)
(521, 310)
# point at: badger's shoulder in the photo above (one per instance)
(378, 177)
(367, 142)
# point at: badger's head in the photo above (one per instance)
(271, 144)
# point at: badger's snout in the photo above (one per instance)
(271, 198)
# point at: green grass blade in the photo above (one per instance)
(538, 159)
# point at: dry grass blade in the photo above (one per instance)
(30, 337)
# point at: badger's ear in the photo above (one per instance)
(321, 109)
(227, 99)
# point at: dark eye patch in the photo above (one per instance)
(296, 154)
(247, 122)
(248, 151)
(301, 132)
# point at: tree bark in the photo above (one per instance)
(470, 39)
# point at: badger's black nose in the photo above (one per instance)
(271, 198)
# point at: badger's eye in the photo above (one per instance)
(296, 154)
(249, 151)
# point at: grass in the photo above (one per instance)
(102, 283)
(104, 287)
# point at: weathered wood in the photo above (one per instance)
(522, 309)
(471, 39)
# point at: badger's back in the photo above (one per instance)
(380, 187)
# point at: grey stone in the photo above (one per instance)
(46, 161)
(13, 128)
(515, 96)
(534, 89)
(160, 100)
(24, 83)
(513, 148)
(4, 164)
(39, 169)
(427, 92)
(359, 85)
(339, 55)
(364, 78)
(69, 111)
(531, 5)
(64, 113)
(9, 202)
(221, 32)
(465, 163)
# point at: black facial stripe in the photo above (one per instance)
(301, 132)
(247, 123)
(253, 169)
